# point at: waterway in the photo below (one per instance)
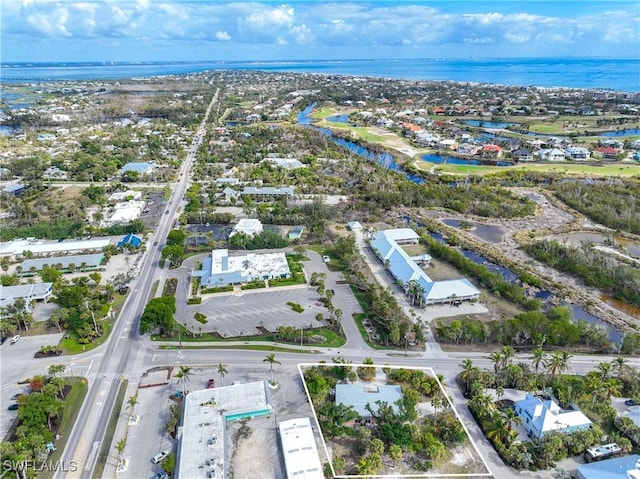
(577, 238)
(627, 132)
(385, 159)
(490, 233)
(490, 124)
(338, 118)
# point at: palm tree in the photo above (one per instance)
(539, 358)
(605, 369)
(621, 366)
(468, 372)
(496, 357)
(222, 371)
(131, 402)
(507, 353)
(183, 376)
(271, 359)
(559, 362)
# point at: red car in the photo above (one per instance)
(211, 384)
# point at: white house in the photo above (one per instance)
(248, 226)
(578, 153)
(543, 416)
(552, 154)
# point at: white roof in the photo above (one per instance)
(249, 226)
(398, 234)
(37, 247)
(299, 449)
(8, 294)
(206, 413)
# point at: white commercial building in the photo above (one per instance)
(299, 449)
(42, 247)
(201, 439)
(220, 269)
(248, 226)
(124, 213)
(30, 292)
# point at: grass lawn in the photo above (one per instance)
(71, 410)
(297, 278)
(248, 347)
(333, 340)
(71, 346)
(617, 169)
(111, 429)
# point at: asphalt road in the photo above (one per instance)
(124, 350)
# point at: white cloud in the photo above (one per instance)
(223, 36)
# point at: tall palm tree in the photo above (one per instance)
(559, 362)
(183, 376)
(539, 358)
(468, 372)
(222, 371)
(496, 357)
(271, 359)
(621, 366)
(507, 353)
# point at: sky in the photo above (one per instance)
(217, 30)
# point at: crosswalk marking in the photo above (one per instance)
(101, 375)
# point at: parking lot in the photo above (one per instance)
(147, 437)
(243, 314)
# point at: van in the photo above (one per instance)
(160, 456)
(15, 339)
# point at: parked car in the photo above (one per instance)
(211, 384)
(15, 339)
(630, 402)
(160, 456)
(13, 407)
(326, 259)
(160, 475)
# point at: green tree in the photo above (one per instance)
(271, 359)
(159, 313)
(174, 253)
(183, 376)
(222, 371)
(176, 237)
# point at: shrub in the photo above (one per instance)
(194, 300)
(295, 306)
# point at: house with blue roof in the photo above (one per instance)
(130, 240)
(15, 189)
(627, 467)
(540, 417)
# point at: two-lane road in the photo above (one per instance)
(124, 351)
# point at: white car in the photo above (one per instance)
(326, 259)
(160, 456)
(15, 339)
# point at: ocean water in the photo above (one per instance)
(614, 74)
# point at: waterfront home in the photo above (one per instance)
(552, 154)
(635, 144)
(426, 138)
(607, 152)
(540, 417)
(578, 153)
(522, 154)
(468, 149)
(447, 144)
(491, 151)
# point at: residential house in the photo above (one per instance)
(286, 163)
(540, 417)
(491, 151)
(354, 226)
(607, 152)
(138, 167)
(578, 153)
(248, 226)
(54, 173)
(227, 181)
(130, 240)
(15, 189)
(522, 154)
(551, 154)
(468, 149)
(447, 144)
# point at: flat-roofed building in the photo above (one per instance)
(42, 247)
(299, 449)
(220, 269)
(248, 226)
(201, 439)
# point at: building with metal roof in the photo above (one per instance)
(248, 226)
(43, 247)
(295, 232)
(84, 262)
(407, 272)
(202, 437)
(131, 240)
(138, 167)
(30, 292)
(299, 449)
(14, 189)
(627, 467)
(540, 417)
